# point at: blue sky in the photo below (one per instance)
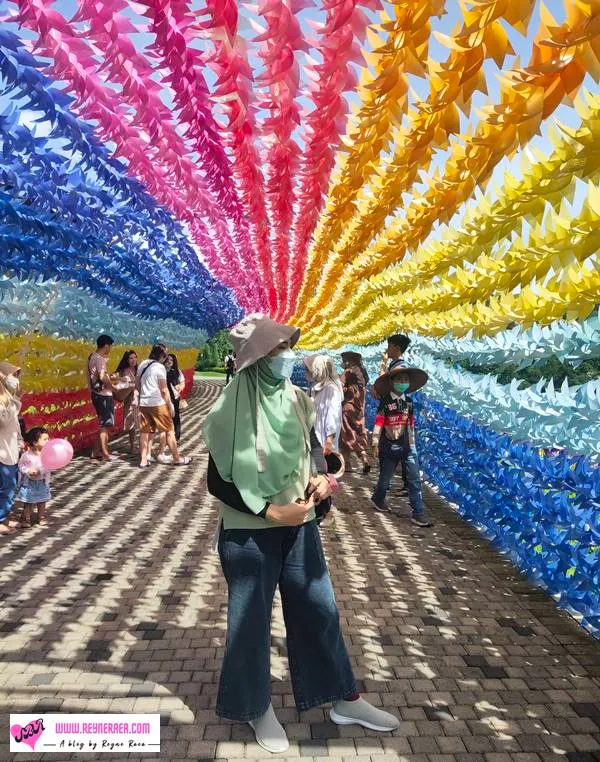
(446, 25)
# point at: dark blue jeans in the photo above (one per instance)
(254, 563)
(389, 458)
(8, 486)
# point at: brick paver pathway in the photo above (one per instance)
(120, 606)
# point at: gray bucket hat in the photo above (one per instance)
(7, 369)
(257, 335)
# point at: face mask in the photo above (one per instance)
(12, 384)
(401, 388)
(282, 365)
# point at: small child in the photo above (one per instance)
(34, 484)
(394, 438)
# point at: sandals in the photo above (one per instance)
(43, 522)
(25, 524)
(6, 530)
(183, 462)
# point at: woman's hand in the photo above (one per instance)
(319, 488)
(291, 514)
(328, 447)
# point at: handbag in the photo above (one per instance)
(121, 393)
(335, 464)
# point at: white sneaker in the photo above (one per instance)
(360, 712)
(164, 458)
(269, 732)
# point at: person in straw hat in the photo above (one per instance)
(266, 467)
(10, 441)
(394, 438)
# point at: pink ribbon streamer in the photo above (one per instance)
(233, 94)
(171, 22)
(344, 24)
(281, 38)
(164, 172)
(131, 69)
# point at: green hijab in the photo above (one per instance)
(257, 436)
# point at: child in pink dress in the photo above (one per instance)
(34, 479)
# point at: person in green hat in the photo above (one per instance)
(266, 467)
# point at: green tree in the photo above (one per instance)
(214, 351)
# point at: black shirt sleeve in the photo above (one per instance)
(227, 492)
(316, 453)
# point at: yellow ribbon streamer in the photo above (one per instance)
(52, 364)
(528, 96)
(452, 83)
(544, 181)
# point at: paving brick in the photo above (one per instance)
(312, 748)
(423, 745)
(585, 743)
(229, 750)
(451, 745)
(201, 750)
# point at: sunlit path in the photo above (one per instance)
(119, 606)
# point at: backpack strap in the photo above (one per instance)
(146, 368)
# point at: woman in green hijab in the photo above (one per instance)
(266, 466)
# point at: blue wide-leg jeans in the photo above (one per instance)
(254, 562)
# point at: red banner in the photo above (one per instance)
(71, 415)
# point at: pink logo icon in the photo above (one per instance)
(29, 734)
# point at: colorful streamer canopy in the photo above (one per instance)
(180, 138)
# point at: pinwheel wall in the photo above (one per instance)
(356, 167)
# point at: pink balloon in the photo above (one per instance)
(56, 453)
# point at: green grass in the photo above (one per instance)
(209, 374)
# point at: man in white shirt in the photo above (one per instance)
(156, 408)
